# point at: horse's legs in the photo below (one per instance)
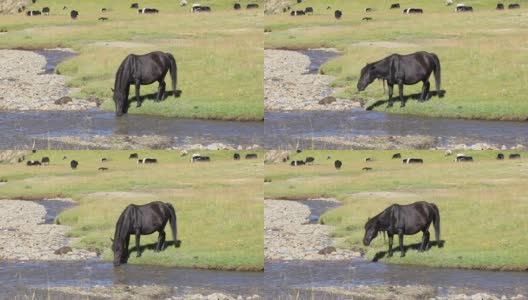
(426, 242)
(161, 91)
(422, 95)
(391, 89)
(402, 250)
(161, 241)
(138, 250)
(427, 87)
(400, 88)
(138, 101)
(391, 236)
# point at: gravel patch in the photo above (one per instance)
(287, 86)
(25, 87)
(25, 237)
(287, 235)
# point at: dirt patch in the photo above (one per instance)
(383, 195)
(126, 45)
(120, 195)
(389, 45)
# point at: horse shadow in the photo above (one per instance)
(153, 246)
(153, 96)
(416, 246)
(405, 98)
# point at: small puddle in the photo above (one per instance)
(53, 58)
(285, 130)
(54, 208)
(318, 208)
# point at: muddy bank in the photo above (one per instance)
(290, 83)
(290, 233)
(26, 234)
(27, 83)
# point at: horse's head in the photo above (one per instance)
(371, 231)
(118, 248)
(120, 101)
(368, 74)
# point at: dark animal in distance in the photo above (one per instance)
(252, 6)
(463, 158)
(299, 1)
(395, 5)
(31, 13)
(45, 160)
(146, 10)
(104, 9)
(297, 163)
(297, 13)
(133, 155)
(309, 160)
(200, 8)
(403, 69)
(74, 164)
(134, 5)
(236, 156)
(104, 159)
(500, 6)
(366, 169)
(140, 70)
(500, 156)
(200, 158)
(413, 11)
(367, 159)
(21, 159)
(46, 10)
(464, 9)
(396, 155)
(33, 163)
(33, 1)
(298, 151)
(514, 156)
(308, 10)
(338, 14)
(413, 161)
(514, 6)
(251, 156)
(102, 169)
(143, 220)
(338, 164)
(65, 8)
(405, 220)
(74, 14)
(34, 151)
(147, 160)
(366, 19)
(368, 9)
(236, 6)
(103, 19)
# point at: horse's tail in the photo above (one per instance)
(174, 228)
(437, 74)
(436, 223)
(173, 72)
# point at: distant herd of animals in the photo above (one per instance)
(196, 157)
(460, 7)
(460, 157)
(146, 10)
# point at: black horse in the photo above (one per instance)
(403, 69)
(142, 69)
(142, 219)
(404, 220)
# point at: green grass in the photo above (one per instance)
(483, 54)
(483, 205)
(218, 204)
(219, 55)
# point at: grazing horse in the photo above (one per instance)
(500, 156)
(74, 14)
(514, 6)
(500, 6)
(142, 69)
(143, 219)
(413, 161)
(236, 6)
(403, 69)
(74, 164)
(395, 5)
(338, 14)
(514, 156)
(252, 6)
(404, 220)
(338, 164)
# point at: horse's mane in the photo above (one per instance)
(122, 80)
(374, 221)
(124, 223)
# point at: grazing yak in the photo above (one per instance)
(199, 8)
(500, 6)
(133, 155)
(74, 14)
(74, 164)
(309, 10)
(147, 160)
(252, 6)
(369, 9)
(338, 164)
(463, 8)
(514, 156)
(297, 163)
(297, 13)
(514, 6)
(31, 13)
(338, 14)
(413, 11)
(251, 156)
(500, 156)
(463, 158)
(309, 160)
(366, 19)
(367, 169)
(395, 5)
(236, 156)
(413, 161)
(102, 169)
(33, 163)
(396, 155)
(46, 10)
(236, 6)
(405, 220)
(146, 10)
(199, 158)
(134, 5)
(45, 160)
(103, 19)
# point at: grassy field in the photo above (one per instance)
(483, 205)
(218, 204)
(483, 54)
(219, 54)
